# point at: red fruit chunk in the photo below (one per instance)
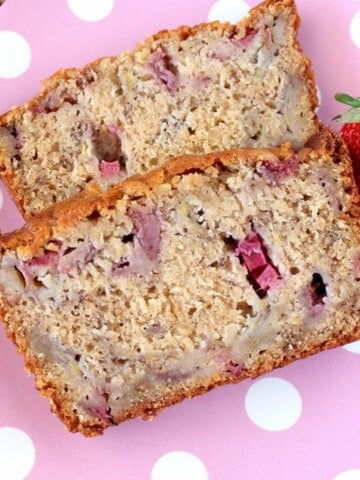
(357, 266)
(145, 240)
(76, 258)
(251, 251)
(97, 405)
(245, 41)
(60, 261)
(164, 70)
(49, 259)
(350, 132)
(147, 225)
(36, 266)
(174, 375)
(109, 169)
(38, 109)
(224, 51)
(114, 129)
(277, 171)
(267, 278)
(262, 273)
(234, 368)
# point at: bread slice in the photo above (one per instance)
(204, 272)
(192, 90)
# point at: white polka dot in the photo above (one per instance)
(17, 454)
(15, 54)
(228, 11)
(355, 29)
(273, 404)
(353, 347)
(91, 10)
(178, 466)
(1, 199)
(348, 475)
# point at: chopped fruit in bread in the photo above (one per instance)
(122, 307)
(253, 253)
(109, 169)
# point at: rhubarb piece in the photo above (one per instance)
(276, 172)
(144, 244)
(245, 41)
(252, 252)
(63, 260)
(49, 259)
(147, 227)
(164, 70)
(262, 273)
(267, 277)
(357, 266)
(234, 368)
(106, 147)
(109, 169)
(75, 258)
(97, 405)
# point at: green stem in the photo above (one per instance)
(348, 100)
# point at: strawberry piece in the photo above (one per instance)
(350, 131)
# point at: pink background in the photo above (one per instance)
(215, 428)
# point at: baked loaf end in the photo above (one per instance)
(207, 271)
(192, 90)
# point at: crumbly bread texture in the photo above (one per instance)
(192, 90)
(204, 272)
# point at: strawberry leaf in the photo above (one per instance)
(348, 100)
(351, 116)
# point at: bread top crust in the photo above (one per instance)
(38, 230)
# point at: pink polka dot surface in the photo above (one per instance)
(309, 427)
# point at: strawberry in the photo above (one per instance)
(350, 131)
